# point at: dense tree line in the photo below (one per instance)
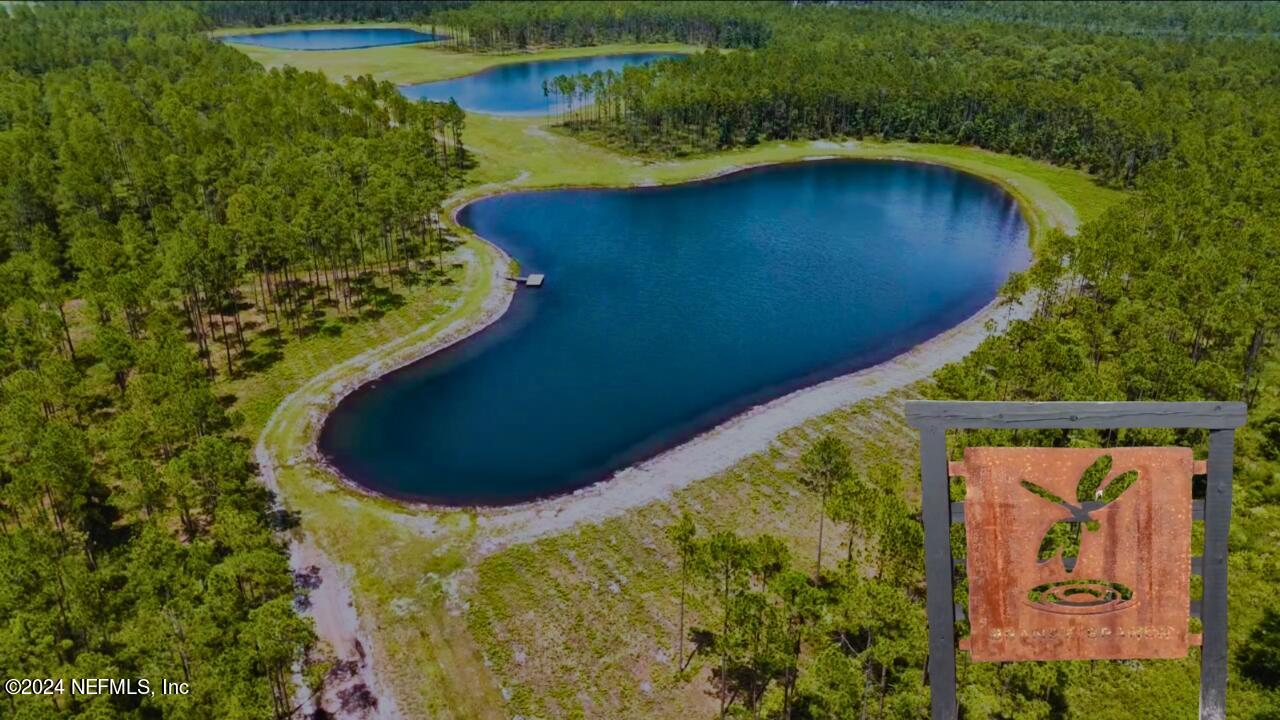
(1108, 104)
(172, 158)
(163, 202)
(520, 24)
(1156, 18)
(234, 13)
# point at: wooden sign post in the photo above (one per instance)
(1076, 553)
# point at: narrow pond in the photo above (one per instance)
(516, 89)
(332, 38)
(670, 309)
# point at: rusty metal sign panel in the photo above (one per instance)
(1077, 553)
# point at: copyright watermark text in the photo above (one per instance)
(94, 686)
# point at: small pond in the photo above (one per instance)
(667, 310)
(516, 89)
(332, 38)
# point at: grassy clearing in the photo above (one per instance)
(404, 64)
(580, 624)
(299, 360)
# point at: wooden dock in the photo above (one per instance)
(534, 280)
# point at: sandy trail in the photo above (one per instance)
(331, 605)
(336, 623)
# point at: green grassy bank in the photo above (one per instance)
(403, 64)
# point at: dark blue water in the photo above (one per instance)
(668, 310)
(332, 38)
(516, 89)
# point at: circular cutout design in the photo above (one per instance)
(1080, 597)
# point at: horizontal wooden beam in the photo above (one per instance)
(966, 415)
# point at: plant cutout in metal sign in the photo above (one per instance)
(1064, 537)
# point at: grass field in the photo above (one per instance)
(404, 64)
(527, 153)
(580, 624)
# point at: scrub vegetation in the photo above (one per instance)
(189, 241)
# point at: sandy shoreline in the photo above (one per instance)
(332, 605)
(701, 456)
(745, 434)
(325, 391)
(656, 478)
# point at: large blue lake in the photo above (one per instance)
(516, 89)
(332, 38)
(668, 310)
